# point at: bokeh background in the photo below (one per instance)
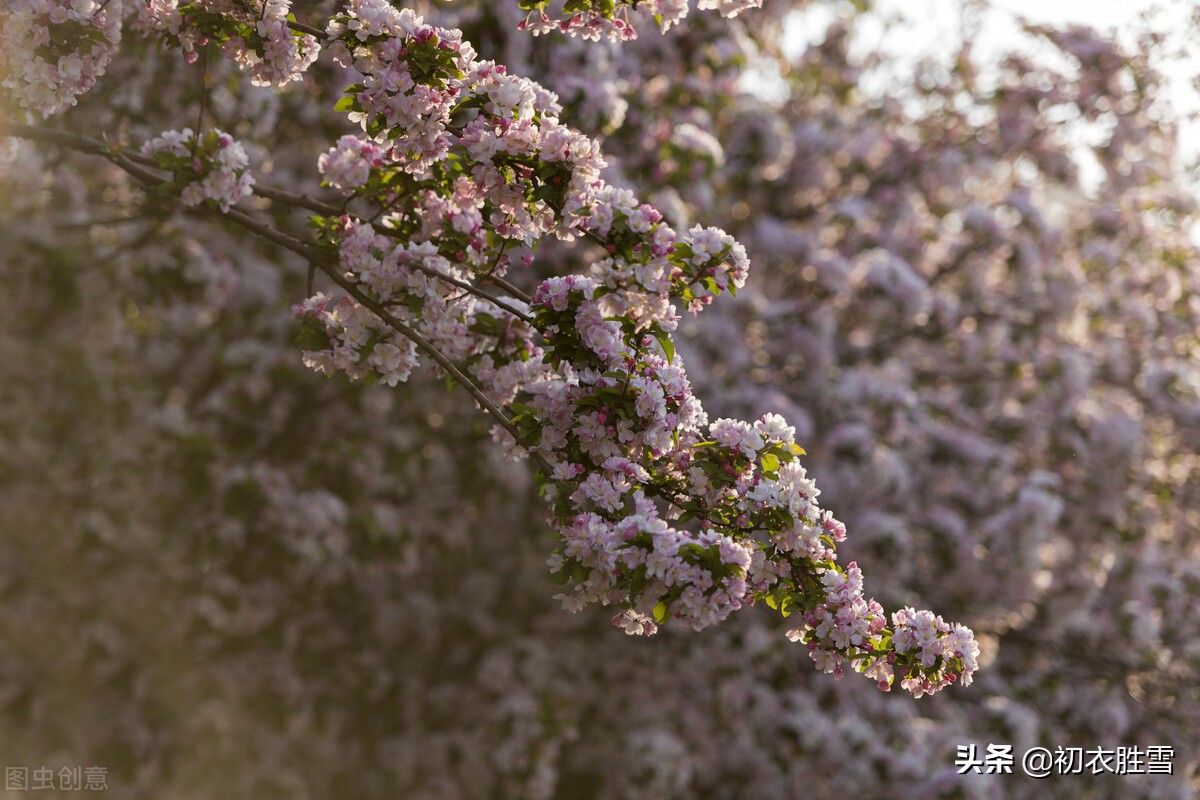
(974, 291)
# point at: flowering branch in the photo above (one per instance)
(314, 255)
(481, 159)
(662, 513)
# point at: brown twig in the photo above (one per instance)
(314, 255)
(298, 200)
(316, 33)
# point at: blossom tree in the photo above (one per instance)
(995, 369)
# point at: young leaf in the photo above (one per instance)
(664, 341)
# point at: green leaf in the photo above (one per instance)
(486, 324)
(664, 341)
(347, 103)
(312, 335)
(770, 463)
(660, 612)
(638, 581)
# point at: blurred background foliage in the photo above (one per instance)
(973, 293)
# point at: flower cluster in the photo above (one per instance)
(605, 19)
(212, 167)
(52, 51)
(353, 340)
(348, 165)
(254, 34)
(661, 513)
(406, 66)
(847, 627)
(419, 287)
(628, 429)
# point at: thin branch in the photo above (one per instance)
(595, 237)
(97, 147)
(314, 255)
(308, 251)
(203, 95)
(132, 155)
(296, 26)
(148, 178)
(130, 161)
(321, 261)
(62, 138)
(299, 200)
(103, 222)
(424, 344)
(515, 291)
(316, 33)
(475, 290)
(130, 164)
(315, 205)
(491, 276)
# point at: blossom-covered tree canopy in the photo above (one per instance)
(492, 227)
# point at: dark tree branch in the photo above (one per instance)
(316, 33)
(314, 255)
(298, 200)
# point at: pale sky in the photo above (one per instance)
(934, 29)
